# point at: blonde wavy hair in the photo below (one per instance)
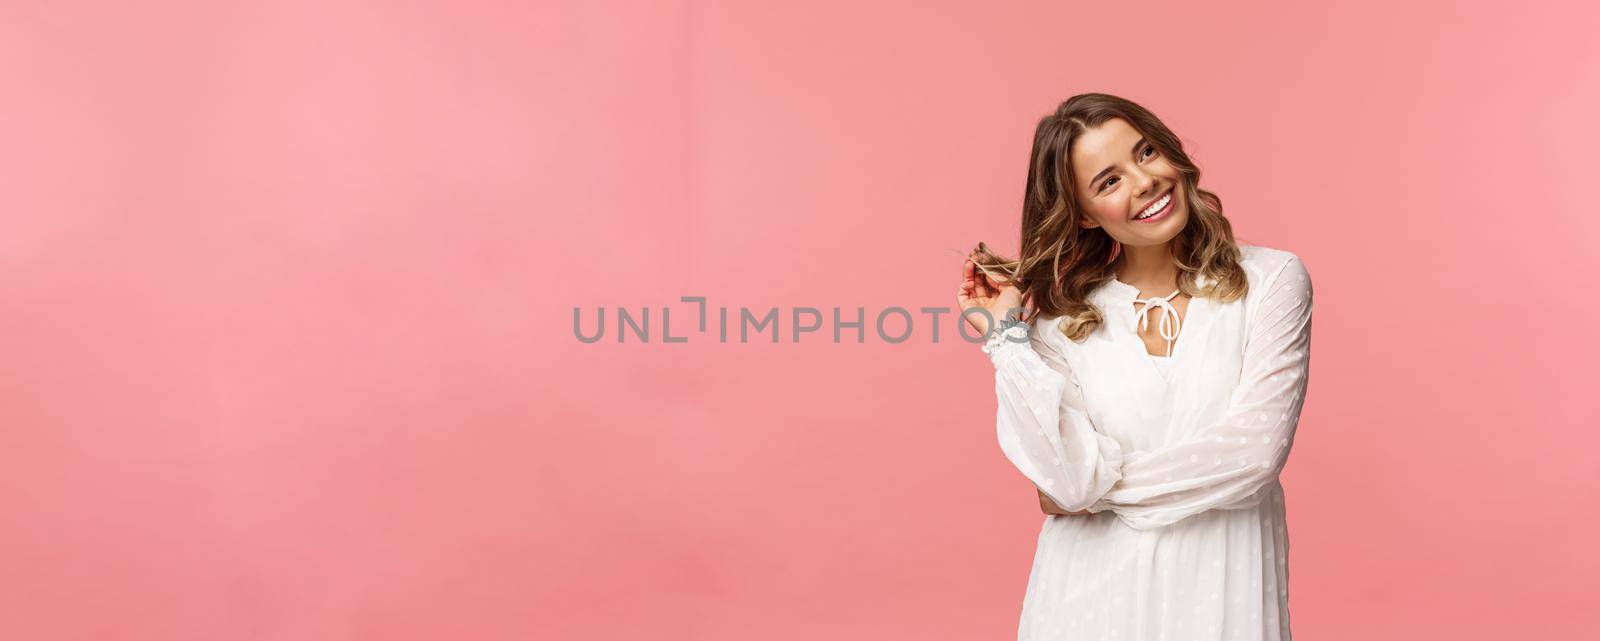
(1062, 262)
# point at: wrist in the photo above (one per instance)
(1006, 331)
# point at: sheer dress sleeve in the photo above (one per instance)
(1041, 423)
(1232, 462)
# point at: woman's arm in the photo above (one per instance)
(1040, 420)
(1230, 462)
(1041, 424)
(1050, 507)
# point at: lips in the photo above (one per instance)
(1153, 201)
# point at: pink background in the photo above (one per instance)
(287, 310)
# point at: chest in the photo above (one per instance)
(1156, 324)
(1130, 398)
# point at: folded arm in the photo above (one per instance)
(1232, 462)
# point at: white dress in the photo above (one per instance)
(1177, 459)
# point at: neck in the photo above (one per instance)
(1148, 268)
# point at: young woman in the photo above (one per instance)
(1155, 443)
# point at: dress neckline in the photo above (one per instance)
(1118, 299)
(1124, 291)
(1114, 292)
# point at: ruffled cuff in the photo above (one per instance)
(1009, 341)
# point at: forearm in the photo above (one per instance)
(1043, 435)
(1232, 461)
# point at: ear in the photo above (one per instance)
(1088, 222)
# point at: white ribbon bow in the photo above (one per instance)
(1169, 317)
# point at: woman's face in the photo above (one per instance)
(1120, 176)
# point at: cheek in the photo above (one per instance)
(1110, 212)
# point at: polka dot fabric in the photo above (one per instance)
(1176, 459)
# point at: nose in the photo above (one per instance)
(1143, 183)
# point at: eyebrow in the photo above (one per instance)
(1107, 170)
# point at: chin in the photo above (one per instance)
(1170, 229)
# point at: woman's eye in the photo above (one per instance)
(1149, 152)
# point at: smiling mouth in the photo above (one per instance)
(1156, 207)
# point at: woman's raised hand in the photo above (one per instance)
(979, 290)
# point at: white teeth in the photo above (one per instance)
(1154, 207)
